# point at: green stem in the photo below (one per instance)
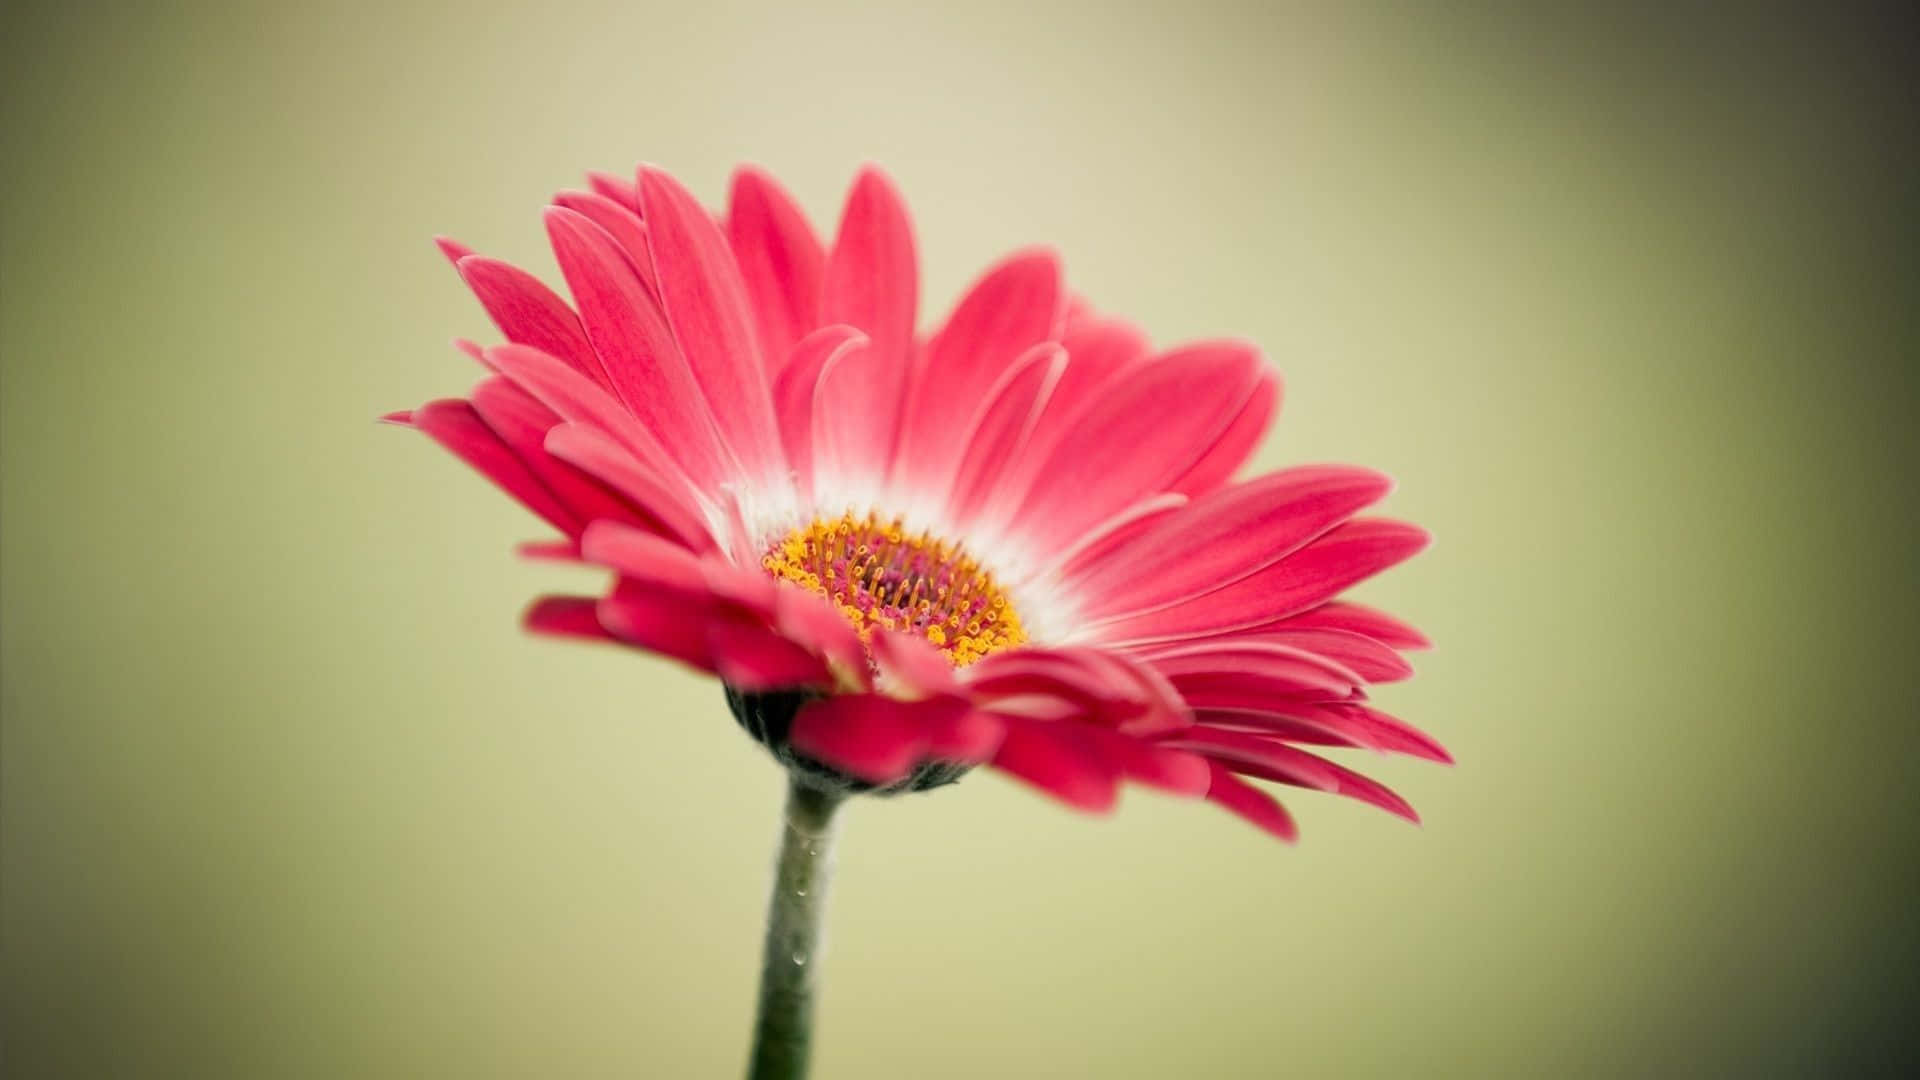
(783, 1031)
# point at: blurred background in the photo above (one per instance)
(1624, 300)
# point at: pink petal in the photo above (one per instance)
(870, 736)
(1111, 535)
(1339, 724)
(811, 621)
(1258, 756)
(793, 394)
(1180, 772)
(1238, 442)
(909, 666)
(1251, 804)
(522, 423)
(968, 736)
(561, 551)
(1096, 685)
(1050, 757)
(566, 616)
(1128, 443)
(1013, 307)
(781, 261)
(1070, 676)
(529, 313)
(456, 426)
(872, 282)
(596, 454)
(639, 355)
(1229, 664)
(852, 432)
(644, 558)
(453, 249)
(1359, 619)
(573, 397)
(1362, 655)
(617, 188)
(1097, 353)
(1227, 536)
(752, 657)
(653, 561)
(999, 435)
(1348, 554)
(706, 304)
(667, 621)
(620, 223)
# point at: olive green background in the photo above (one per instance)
(1624, 300)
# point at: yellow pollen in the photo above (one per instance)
(878, 574)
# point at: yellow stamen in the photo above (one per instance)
(878, 574)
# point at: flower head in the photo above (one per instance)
(1013, 541)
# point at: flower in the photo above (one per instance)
(1013, 542)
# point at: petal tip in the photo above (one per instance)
(453, 249)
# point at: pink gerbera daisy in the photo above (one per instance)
(1014, 541)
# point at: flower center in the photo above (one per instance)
(877, 574)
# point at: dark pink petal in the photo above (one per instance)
(1338, 724)
(1228, 535)
(1074, 677)
(1348, 554)
(999, 435)
(573, 397)
(667, 621)
(596, 454)
(1052, 757)
(873, 283)
(1095, 685)
(1239, 690)
(620, 223)
(1097, 353)
(1251, 804)
(781, 261)
(656, 562)
(1013, 307)
(522, 423)
(1360, 619)
(1180, 772)
(639, 356)
(793, 394)
(398, 418)
(561, 551)
(870, 736)
(750, 656)
(1129, 443)
(1230, 663)
(970, 736)
(706, 304)
(1267, 759)
(529, 313)
(1238, 442)
(566, 616)
(1362, 655)
(456, 426)
(644, 558)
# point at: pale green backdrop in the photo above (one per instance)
(1625, 301)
